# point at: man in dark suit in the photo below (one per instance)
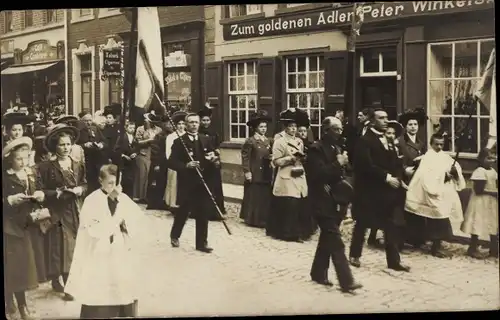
(128, 150)
(377, 191)
(325, 163)
(192, 197)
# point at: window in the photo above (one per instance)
(115, 90)
(305, 87)
(378, 63)
(86, 81)
(8, 21)
(28, 18)
(453, 73)
(242, 10)
(51, 15)
(242, 92)
(84, 12)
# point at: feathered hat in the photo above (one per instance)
(258, 117)
(206, 111)
(417, 114)
(115, 109)
(295, 115)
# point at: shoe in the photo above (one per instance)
(57, 286)
(324, 282)
(353, 287)
(355, 262)
(475, 254)
(10, 306)
(440, 254)
(174, 243)
(25, 313)
(205, 249)
(68, 297)
(400, 267)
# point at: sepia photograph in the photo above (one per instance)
(249, 160)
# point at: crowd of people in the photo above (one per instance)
(65, 215)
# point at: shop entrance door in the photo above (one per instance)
(380, 92)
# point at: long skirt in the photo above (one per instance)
(142, 164)
(107, 312)
(423, 228)
(171, 189)
(60, 247)
(284, 219)
(38, 245)
(308, 224)
(218, 195)
(156, 188)
(256, 204)
(20, 272)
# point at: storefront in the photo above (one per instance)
(183, 53)
(299, 59)
(36, 77)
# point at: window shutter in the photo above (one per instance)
(270, 89)
(214, 92)
(335, 81)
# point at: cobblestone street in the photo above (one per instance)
(251, 274)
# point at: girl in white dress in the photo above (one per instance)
(170, 195)
(481, 217)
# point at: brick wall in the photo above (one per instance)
(96, 30)
(18, 20)
(209, 34)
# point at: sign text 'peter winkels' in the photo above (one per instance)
(330, 19)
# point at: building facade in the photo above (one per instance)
(32, 53)
(409, 54)
(94, 32)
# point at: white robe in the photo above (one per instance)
(429, 196)
(111, 267)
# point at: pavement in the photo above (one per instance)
(251, 274)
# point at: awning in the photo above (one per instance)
(24, 69)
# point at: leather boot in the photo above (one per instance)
(493, 246)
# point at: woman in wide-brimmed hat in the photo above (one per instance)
(207, 129)
(170, 197)
(145, 135)
(64, 184)
(77, 152)
(290, 184)
(15, 123)
(256, 162)
(20, 198)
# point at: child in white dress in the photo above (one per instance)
(481, 217)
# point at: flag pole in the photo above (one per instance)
(128, 99)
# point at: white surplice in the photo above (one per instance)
(104, 273)
(429, 196)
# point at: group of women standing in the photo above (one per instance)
(275, 191)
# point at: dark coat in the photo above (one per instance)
(214, 136)
(322, 169)
(94, 157)
(126, 148)
(255, 157)
(411, 150)
(189, 185)
(374, 199)
(111, 134)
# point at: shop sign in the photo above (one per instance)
(178, 87)
(334, 18)
(112, 62)
(39, 51)
(177, 59)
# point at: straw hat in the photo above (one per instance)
(50, 140)
(16, 143)
(396, 126)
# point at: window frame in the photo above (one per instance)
(6, 14)
(85, 74)
(478, 117)
(26, 18)
(227, 11)
(117, 91)
(309, 91)
(380, 73)
(48, 14)
(246, 93)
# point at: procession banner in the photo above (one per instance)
(149, 66)
(487, 96)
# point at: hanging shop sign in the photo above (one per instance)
(112, 62)
(334, 18)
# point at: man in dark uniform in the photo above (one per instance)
(325, 162)
(112, 130)
(192, 197)
(94, 145)
(377, 191)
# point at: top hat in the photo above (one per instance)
(258, 117)
(397, 127)
(413, 114)
(16, 143)
(50, 140)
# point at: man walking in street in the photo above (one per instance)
(192, 197)
(377, 191)
(325, 170)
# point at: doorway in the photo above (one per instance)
(380, 92)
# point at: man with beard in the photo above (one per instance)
(94, 145)
(325, 169)
(376, 192)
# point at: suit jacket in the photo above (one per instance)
(189, 184)
(93, 156)
(15, 218)
(127, 148)
(322, 169)
(255, 157)
(374, 198)
(285, 185)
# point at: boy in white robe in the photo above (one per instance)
(432, 201)
(104, 252)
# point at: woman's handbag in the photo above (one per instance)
(40, 215)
